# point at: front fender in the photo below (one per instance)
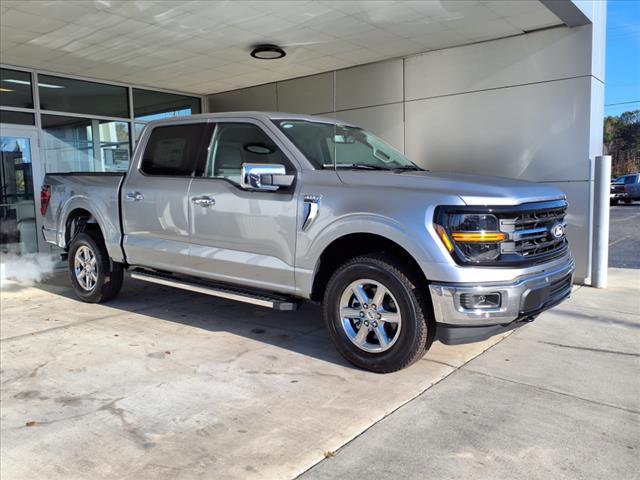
(312, 244)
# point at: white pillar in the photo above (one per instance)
(601, 190)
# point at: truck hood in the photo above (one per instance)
(472, 189)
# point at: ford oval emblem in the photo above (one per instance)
(557, 230)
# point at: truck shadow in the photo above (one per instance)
(300, 331)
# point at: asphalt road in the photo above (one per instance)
(624, 236)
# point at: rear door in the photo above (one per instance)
(241, 236)
(155, 206)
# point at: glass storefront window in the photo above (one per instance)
(17, 205)
(150, 105)
(15, 89)
(74, 144)
(79, 96)
(19, 118)
(137, 130)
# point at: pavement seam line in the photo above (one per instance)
(557, 392)
(419, 394)
(589, 349)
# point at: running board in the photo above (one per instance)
(230, 293)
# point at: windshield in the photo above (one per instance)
(339, 146)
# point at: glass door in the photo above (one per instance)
(20, 181)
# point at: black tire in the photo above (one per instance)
(613, 202)
(108, 274)
(628, 202)
(417, 324)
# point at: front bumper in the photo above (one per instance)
(521, 301)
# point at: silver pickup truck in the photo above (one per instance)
(274, 209)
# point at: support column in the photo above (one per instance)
(601, 191)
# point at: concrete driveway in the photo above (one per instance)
(558, 399)
(162, 382)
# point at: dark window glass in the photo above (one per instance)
(78, 96)
(73, 144)
(238, 143)
(630, 179)
(21, 118)
(150, 105)
(176, 149)
(15, 89)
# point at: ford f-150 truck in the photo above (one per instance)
(274, 209)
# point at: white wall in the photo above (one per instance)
(527, 107)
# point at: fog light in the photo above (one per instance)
(474, 301)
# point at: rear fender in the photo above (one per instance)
(109, 227)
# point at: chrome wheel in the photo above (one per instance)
(86, 268)
(370, 316)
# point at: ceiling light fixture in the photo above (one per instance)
(267, 52)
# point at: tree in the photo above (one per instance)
(622, 142)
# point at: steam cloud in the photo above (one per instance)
(26, 269)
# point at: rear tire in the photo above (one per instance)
(94, 277)
(380, 338)
(613, 202)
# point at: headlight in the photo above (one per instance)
(473, 236)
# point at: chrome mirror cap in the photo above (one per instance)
(264, 176)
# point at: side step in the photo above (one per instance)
(216, 290)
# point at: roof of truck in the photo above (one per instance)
(257, 115)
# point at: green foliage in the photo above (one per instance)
(622, 142)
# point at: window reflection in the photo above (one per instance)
(149, 105)
(17, 205)
(85, 145)
(15, 89)
(79, 96)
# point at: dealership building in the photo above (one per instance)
(506, 88)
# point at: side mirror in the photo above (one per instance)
(264, 176)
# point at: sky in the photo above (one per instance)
(622, 76)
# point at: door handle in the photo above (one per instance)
(203, 201)
(135, 196)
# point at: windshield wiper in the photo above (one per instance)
(362, 165)
(405, 168)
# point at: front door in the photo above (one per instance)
(21, 176)
(240, 236)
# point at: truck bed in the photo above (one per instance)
(98, 193)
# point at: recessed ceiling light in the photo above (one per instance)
(267, 52)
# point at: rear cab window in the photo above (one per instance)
(176, 150)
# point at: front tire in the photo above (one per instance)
(378, 317)
(94, 277)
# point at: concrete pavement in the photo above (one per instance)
(559, 398)
(165, 383)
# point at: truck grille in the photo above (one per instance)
(536, 231)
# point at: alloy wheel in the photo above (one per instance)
(370, 316)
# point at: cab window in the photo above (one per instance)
(238, 143)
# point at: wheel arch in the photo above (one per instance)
(355, 244)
